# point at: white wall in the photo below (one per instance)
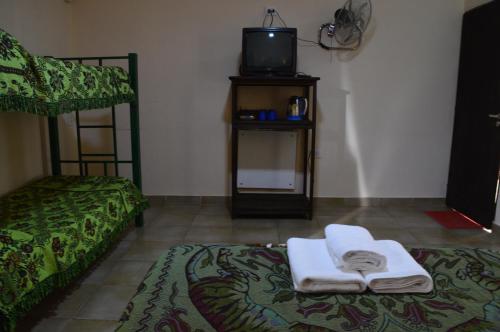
(43, 28)
(386, 114)
(469, 4)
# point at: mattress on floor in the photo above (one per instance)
(53, 229)
(249, 288)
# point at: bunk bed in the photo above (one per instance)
(54, 228)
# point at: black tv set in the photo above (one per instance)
(269, 51)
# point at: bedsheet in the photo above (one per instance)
(249, 288)
(49, 86)
(53, 229)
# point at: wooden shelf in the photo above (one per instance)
(275, 205)
(274, 80)
(275, 124)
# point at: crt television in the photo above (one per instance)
(269, 51)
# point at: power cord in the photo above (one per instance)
(269, 13)
(308, 41)
(279, 16)
(283, 23)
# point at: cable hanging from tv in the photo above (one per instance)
(346, 28)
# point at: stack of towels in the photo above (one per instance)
(350, 260)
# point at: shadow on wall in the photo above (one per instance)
(336, 139)
(20, 153)
(16, 157)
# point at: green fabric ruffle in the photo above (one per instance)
(57, 281)
(38, 107)
(52, 230)
(48, 86)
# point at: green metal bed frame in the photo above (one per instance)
(55, 156)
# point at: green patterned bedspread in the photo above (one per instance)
(53, 229)
(247, 288)
(48, 86)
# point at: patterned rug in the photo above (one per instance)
(249, 288)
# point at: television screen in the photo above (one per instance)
(269, 51)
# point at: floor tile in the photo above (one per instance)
(97, 274)
(97, 300)
(400, 235)
(127, 273)
(49, 325)
(152, 212)
(149, 250)
(349, 212)
(403, 211)
(107, 303)
(119, 250)
(430, 204)
(74, 300)
(213, 209)
(308, 233)
(83, 325)
(183, 200)
(436, 237)
(162, 233)
(417, 221)
(155, 201)
(181, 209)
(255, 235)
(299, 228)
(284, 224)
(477, 237)
(374, 222)
(324, 221)
(212, 220)
(255, 222)
(166, 217)
(215, 200)
(213, 234)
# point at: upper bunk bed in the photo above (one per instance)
(49, 86)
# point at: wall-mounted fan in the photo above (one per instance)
(347, 27)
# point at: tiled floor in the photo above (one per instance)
(96, 302)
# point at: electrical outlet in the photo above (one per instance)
(270, 10)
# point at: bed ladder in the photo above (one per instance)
(83, 161)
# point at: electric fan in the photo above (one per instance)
(348, 25)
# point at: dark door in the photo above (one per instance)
(475, 154)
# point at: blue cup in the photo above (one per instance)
(262, 116)
(271, 115)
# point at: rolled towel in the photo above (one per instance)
(313, 270)
(353, 248)
(403, 275)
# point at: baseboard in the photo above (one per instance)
(438, 203)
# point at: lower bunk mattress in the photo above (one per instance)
(53, 229)
(249, 288)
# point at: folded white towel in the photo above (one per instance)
(313, 270)
(353, 248)
(403, 275)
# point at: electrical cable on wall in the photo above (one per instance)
(345, 30)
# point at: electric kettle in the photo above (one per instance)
(297, 108)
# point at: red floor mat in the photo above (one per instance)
(452, 219)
